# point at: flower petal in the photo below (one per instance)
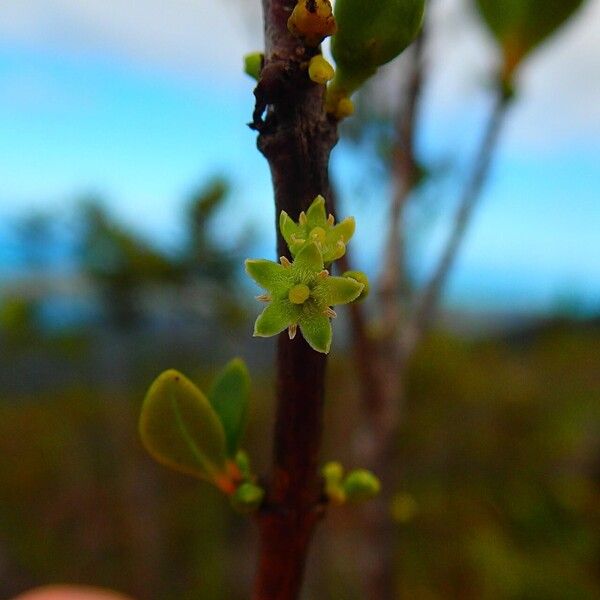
(288, 228)
(316, 330)
(345, 229)
(308, 260)
(275, 318)
(316, 213)
(270, 275)
(337, 290)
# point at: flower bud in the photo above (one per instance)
(312, 21)
(361, 485)
(319, 70)
(253, 63)
(247, 498)
(333, 472)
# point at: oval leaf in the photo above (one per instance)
(180, 429)
(519, 26)
(229, 399)
(371, 34)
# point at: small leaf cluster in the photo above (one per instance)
(301, 294)
(358, 485)
(200, 435)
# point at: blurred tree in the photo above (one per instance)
(121, 264)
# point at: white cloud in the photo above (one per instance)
(181, 35)
(561, 89)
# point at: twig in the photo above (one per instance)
(427, 304)
(404, 175)
(296, 137)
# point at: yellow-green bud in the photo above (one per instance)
(253, 64)
(333, 472)
(312, 21)
(344, 107)
(242, 460)
(319, 70)
(361, 278)
(299, 294)
(247, 498)
(361, 485)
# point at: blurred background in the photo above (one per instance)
(130, 193)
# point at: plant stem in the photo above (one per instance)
(296, 137)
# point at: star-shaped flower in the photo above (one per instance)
(316, 227)
(300, 294)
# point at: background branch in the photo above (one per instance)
(427, 304)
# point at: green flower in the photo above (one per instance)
(300, 294)
(316, 227)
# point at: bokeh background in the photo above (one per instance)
(130, 193)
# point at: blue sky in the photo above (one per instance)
(96, 98)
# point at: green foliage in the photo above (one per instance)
(369, 35)
(316, 227)
(229, 399)
(499, 483)
(180, 429)
(120, 262)
(519, 26)
(300, 294)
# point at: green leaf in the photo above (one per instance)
(276, 317)
(180, 429)
(270, 275)
(338, 290)
(369, 35)
(316, 330)
(229, 399)
(519, 26)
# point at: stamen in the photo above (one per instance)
(329, 312)
(285, 262)
(292, 330)
(264, 298)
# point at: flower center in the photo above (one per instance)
(299, 294)
(318, 234)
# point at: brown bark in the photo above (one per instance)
(296, 137)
